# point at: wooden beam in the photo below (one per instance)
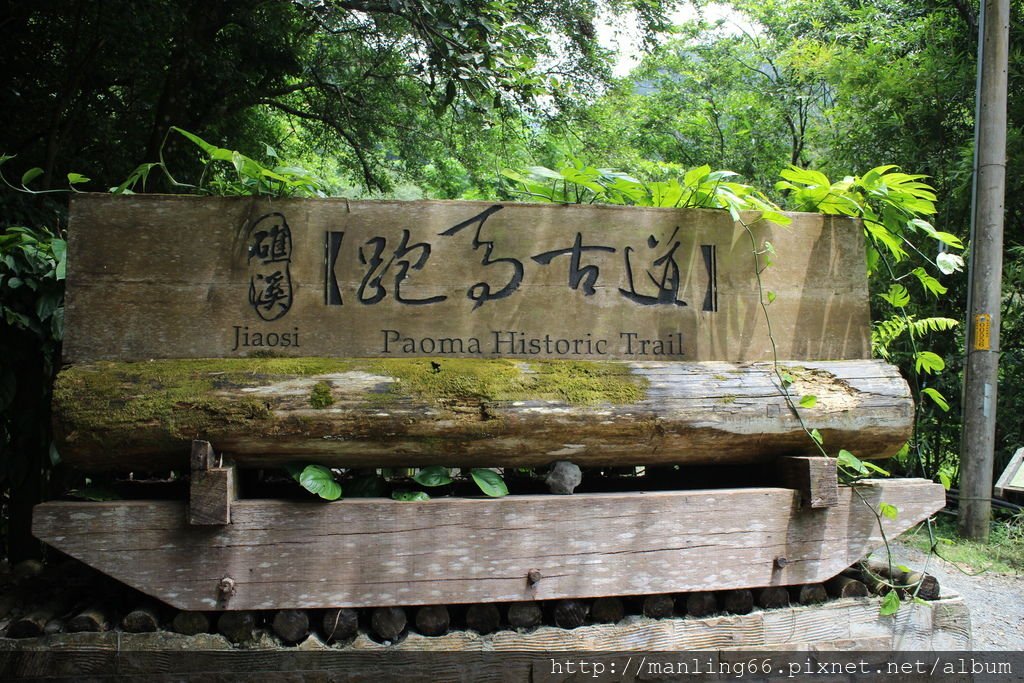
(815, 478)
(370, 552)
(481, 413)
(212, 489)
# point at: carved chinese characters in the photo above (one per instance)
(456, 279)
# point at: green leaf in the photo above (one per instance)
(694, 176)
(490, 482)
(30, 175)
(875, 468)
(770, 296)
(888, 511)
(890, 604)
(319, 480)
(46, 305)
(410, 496)
(850, 461)
(77, 179)
(198, 141)
(433, 476)
(937, 397)
(816, 435)
(928, 362)
(930, 284)
(808, 401)
(945, 479)
(57, 324)
(897, 296)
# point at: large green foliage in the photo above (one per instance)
(836, 85)
(373, 86)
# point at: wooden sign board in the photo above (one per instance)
(199, 277)
(1012, 479)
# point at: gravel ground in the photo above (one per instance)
(995, 601)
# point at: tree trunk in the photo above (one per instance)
(382, 413)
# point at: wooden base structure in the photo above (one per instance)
(508, 655)
(376, 552)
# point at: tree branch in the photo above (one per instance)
(368, 176)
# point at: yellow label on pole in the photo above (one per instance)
(982, 332)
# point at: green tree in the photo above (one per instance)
(95, 85)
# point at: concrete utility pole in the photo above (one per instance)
(984, 295)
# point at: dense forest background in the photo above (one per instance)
(435, 98)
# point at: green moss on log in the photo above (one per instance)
(186, 398)
(321, 396)
(461, 379)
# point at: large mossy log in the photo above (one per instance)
(469, 412)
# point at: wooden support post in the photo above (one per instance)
(214, 487)
(814, 477)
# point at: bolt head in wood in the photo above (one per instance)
(533, 577)
(781, 562)
(226, 588)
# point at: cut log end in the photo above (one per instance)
(388, 623)
(142, 620)
(570, 614)
(90, 620)
(483, 618)
(607, 610)
(433, 620)
(291, 625)
(525, 615)
(659, 606)
(701, 604)
(773, 597)
(190, 623)
(738, 601)
(340, 624)
(809, 594)
(238, 627)
(846, 587)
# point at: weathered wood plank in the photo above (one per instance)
(369, 552)
(265, 412)
(386, 278)
(212, 489)
(815, 478)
